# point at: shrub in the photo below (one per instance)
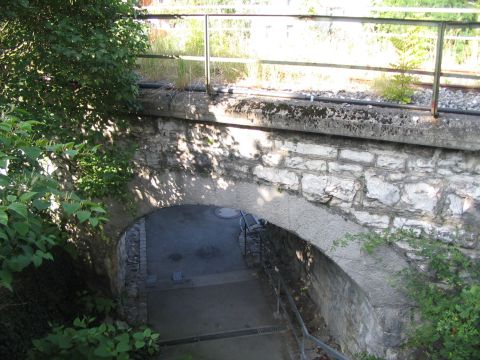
(84, 340)
(32, 202)
(447, 294)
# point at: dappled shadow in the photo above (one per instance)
(261, 171)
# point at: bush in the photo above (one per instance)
(33, 205)
(84, 340)
(447, 294)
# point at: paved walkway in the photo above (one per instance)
(219, 300)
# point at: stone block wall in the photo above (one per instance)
(132, 274)
(335, 307)
(376, 184)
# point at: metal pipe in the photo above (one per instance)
(244, 232)
(299, 96)
(313, 64)
(278, 297)
(438, 69)
(207, 56)
(357, 19)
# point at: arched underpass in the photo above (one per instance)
(318, 172)
(360, 304)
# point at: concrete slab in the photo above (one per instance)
(206, 280)
(260, 347)
(193, 240)
(217, 291)
(209, 309)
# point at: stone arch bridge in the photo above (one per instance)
(319, 170)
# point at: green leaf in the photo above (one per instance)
(93, 221)
(98, 209)
(80, 323)
(25, 197)
(32, 152)
(20, 209)
(139, 344)
(103, 351)
(3, 235)
(21, 227)
(47, 256)
(3, 217)
(4, 180)
(6, 279)
(64, 342)
(123, 346)
(20, 262)
(71, 208)
(37, 259)
(41, 204)
(138, 336)
(83, 215)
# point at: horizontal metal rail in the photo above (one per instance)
(330, 18)
(306, 63)
(437, 73)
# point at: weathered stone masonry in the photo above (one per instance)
(319, 171)
(374, 183)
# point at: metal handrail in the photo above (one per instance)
(279, 286)
(437, 73)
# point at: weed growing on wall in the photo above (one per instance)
(446, 289)
(399, 87)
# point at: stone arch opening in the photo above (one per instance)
(373, 321)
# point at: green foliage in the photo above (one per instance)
(188, 39)
(460, 48)
(431, 4)
(447, 294)
(399, 87)
(85, 340)
(96, 304)
(104, 173)
(31, 199)
(366, 356)
(72, 64)
(71, 59)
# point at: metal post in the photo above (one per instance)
(245, 236)
(261, 248)
(438, 68)
(278, 297)
(207, 56)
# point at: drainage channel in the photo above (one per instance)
(264, 330)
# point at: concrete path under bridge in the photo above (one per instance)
(218, 308)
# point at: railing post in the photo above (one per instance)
(245, 236)
(438, 68)
(207, 55)
(278, 296)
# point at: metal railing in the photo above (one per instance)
(289, 306)
(437, 72)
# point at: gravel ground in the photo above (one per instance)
(449, 98)
(453, 99)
